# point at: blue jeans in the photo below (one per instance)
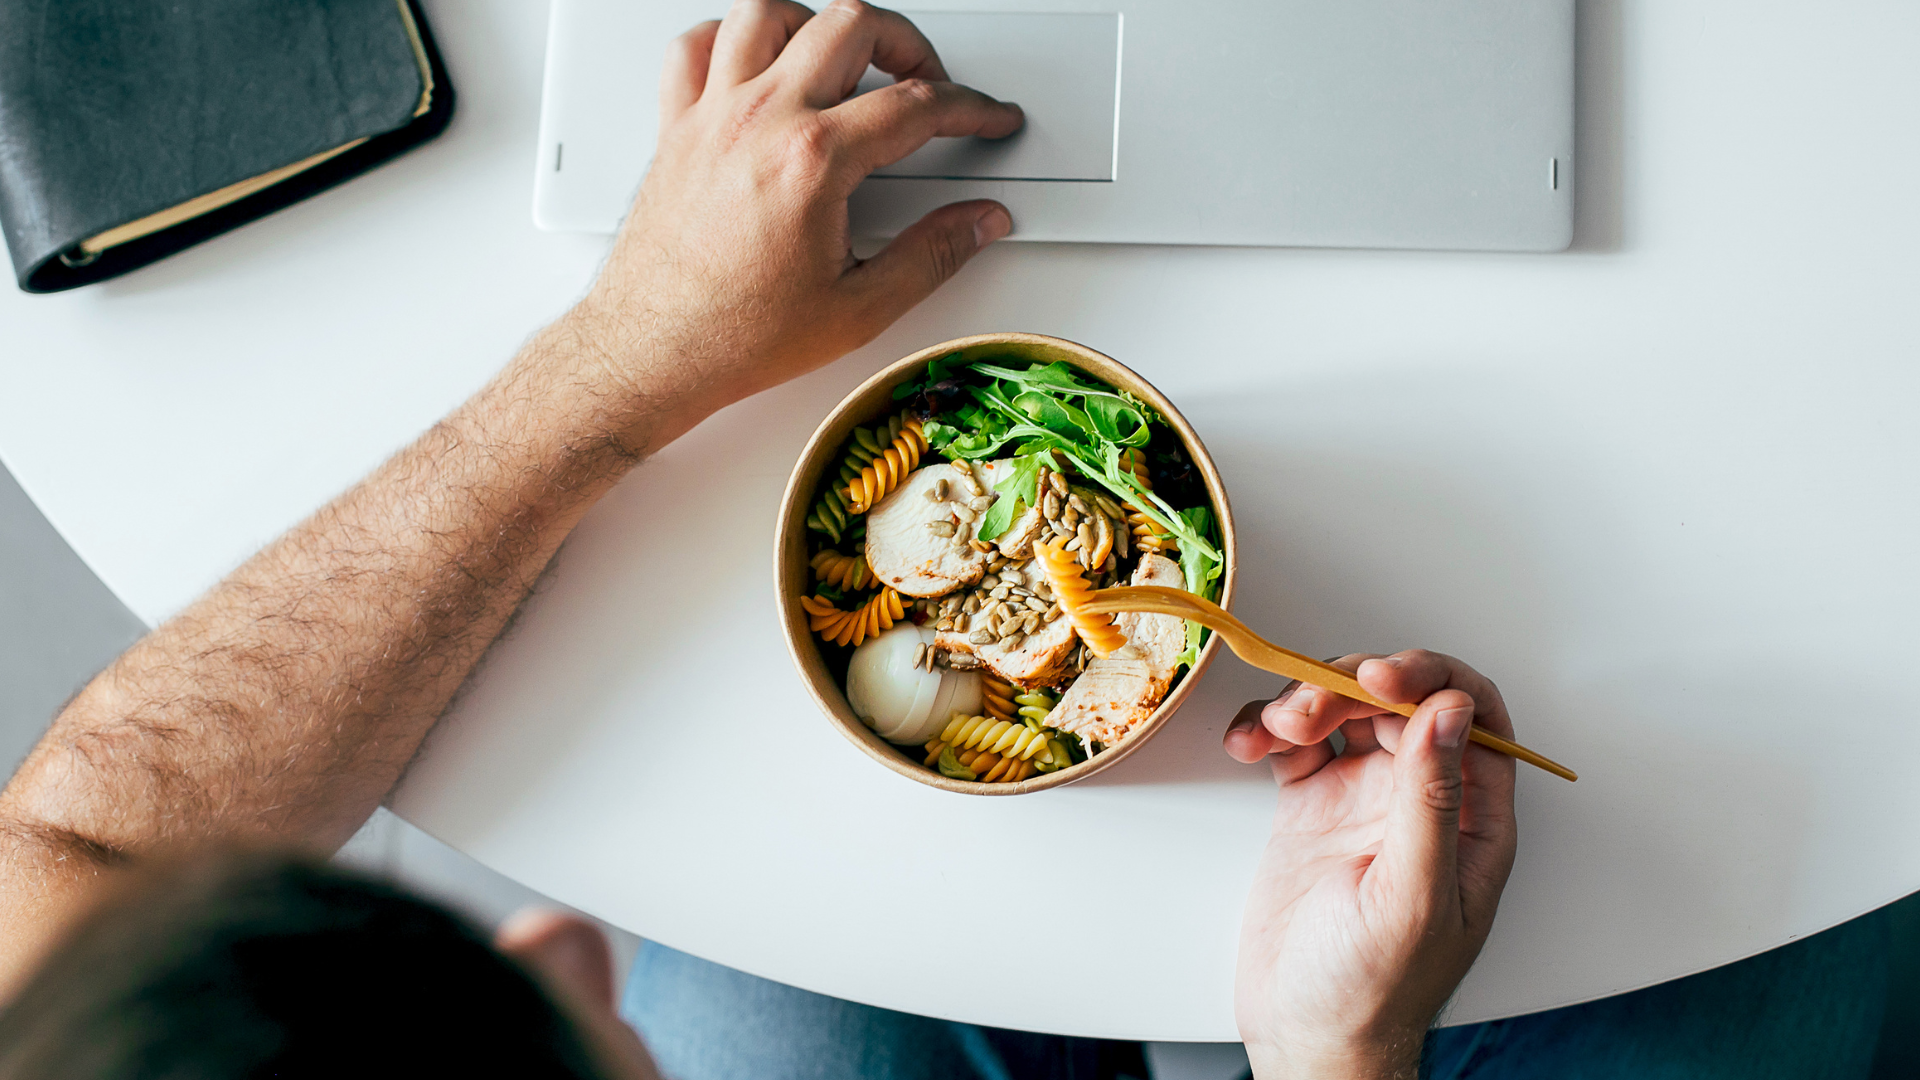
(1808, 1010)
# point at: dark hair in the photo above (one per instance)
(246, 964)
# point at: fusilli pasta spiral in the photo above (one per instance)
(1146, 534)
(1000, 749)
(1034, 705)
(1070, 591)
(998, 694)
(835, 514)
(856, 626)
(887, 465)
(849, 572)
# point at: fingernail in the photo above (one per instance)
(1451, 726)
(1390, 661)
(991, 226)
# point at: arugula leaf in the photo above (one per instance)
(1201, 572)
(1117, 421)
(1056, 376)
(1054, 414)
(1017, 491)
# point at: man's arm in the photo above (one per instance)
(283, 705)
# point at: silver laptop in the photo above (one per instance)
(1442, 124)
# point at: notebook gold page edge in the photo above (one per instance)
(92, 246)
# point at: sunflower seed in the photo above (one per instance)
(962, 662)
(1059, 484)
(1000, 592)
(1050, 507)
(1102, 534)
(1120, 538)
(943, 624)
(940, 528)
(1107, 506)
(972, 603)
(1074, 500)
(996, 561)
(960, 623)
(1073, 544)
(980, 545)
(979, 505)
(980, 637)
(920, 654)
(1085, 535)
(1055, 612)
(940, 490)
(1034, 603)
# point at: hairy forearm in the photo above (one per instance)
(283, 705)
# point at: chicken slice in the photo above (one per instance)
(1158, 639)
(1042, 658)
(1112, 697)
(919, 545)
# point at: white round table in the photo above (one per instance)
(1661, 488)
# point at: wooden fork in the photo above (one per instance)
(1264, 654)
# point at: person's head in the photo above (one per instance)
(246, 964)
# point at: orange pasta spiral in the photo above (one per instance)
(998, 694)
(1070, 590)
(856, 626)
(1146, 534)
(889, 467)
(849, 572)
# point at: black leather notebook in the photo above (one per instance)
(130, 129)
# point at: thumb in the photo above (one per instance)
(928, 252)
(1421, 846)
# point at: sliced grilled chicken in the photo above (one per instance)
(918, 544)
(1112, 697)
(1158, 639)
(1041, 658)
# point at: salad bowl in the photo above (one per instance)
(874, 400)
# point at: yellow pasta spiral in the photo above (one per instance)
(1070, 590)
(889, 465)
(856, 626)
(999, 750)
(1146, 533)
(849, 572)
(999, 696)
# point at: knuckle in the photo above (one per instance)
(919, 92)
(856, 10)
(812, 146)
(1443, 794)
(945, 256)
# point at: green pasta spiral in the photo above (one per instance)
(833, 514)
